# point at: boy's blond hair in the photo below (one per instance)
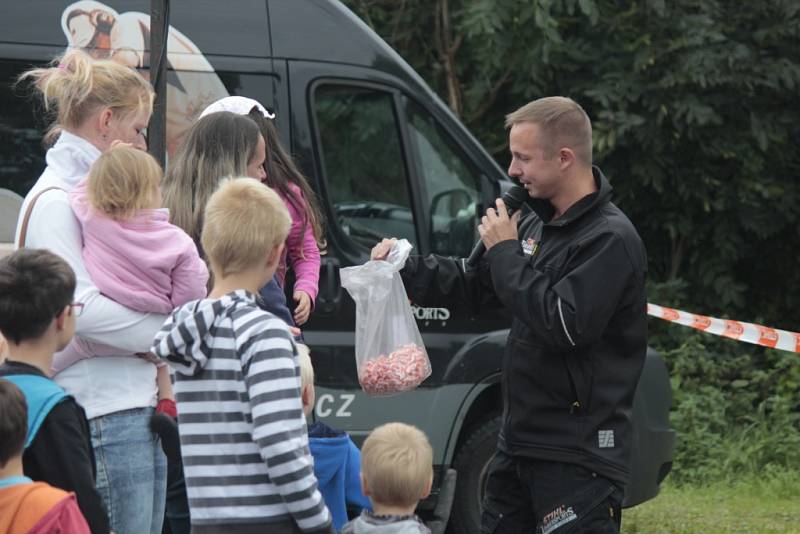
(244, 221)
(397, 464)
(123, 181)
(306, 368)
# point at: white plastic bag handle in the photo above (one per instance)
(399, 254)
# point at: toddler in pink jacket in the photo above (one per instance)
(132, 252)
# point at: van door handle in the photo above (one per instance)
(331, 296)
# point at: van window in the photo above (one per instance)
(451, 185)
(21, 151)
(363, 163)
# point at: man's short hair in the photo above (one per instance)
(306, 368)
(13, 421)
(35, 287)
(563, 123)
(397, 463)
(244, 220)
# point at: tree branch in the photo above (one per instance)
(489, 101)
(677, 246)
(447, 50)
(397, 18)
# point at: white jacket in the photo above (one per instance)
(102, 385)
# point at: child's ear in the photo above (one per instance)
(305, 395)
(61, 318)
(364, 486)
(427, 490)
(275, 255)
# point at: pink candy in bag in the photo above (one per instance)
(390, 355)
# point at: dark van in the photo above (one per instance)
(386, 157)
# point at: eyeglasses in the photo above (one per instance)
(77, 308)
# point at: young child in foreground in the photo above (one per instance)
(28, 507)
(396, 473)
(237, 383)
(132, 252)
(37, 318)
(337, 460)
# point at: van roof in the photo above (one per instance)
(329, 31)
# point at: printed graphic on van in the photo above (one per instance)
(125, 37)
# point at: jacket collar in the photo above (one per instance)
(545, 210)
(70, 158)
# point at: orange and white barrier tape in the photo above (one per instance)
(747, 332)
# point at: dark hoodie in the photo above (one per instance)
(337, 466)
(58, 449)
(576, 289)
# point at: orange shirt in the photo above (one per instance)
(37, 508)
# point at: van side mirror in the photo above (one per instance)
(329, 298)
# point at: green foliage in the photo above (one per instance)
(735, 410)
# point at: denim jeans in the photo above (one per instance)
(131, 470)
(556, 497)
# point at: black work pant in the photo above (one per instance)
(525, 495)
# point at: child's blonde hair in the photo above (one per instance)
(244, 220)
(123, 181)
(397, 464)
(78, 85)
(306, 368)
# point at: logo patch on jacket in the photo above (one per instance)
(605, 439)
(558, 517)
(529, 246)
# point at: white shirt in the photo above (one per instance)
(102, 385)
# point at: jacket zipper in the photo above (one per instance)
(576, 404)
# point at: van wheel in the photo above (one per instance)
(471, 463)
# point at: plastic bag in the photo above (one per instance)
(390, 355)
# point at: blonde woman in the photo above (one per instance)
(132, 252)
(97, 103)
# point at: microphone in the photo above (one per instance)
(514, 198)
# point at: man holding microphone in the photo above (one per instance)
(572, 275)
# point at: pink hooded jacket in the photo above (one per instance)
(301, 251)
(144, 263)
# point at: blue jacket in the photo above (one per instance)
(274, 301)
(337, 466)
(41, 395)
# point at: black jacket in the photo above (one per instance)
(575, 287)
(61, 454)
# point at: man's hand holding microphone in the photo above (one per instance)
(497, 225)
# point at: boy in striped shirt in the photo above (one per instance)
(237, 385)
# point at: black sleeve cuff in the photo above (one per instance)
(509, 245)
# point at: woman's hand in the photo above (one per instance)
(303, 308)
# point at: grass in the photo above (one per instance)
(769, 504)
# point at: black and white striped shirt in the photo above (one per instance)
(243, 433)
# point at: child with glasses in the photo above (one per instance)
(37, 319)
(132, 252)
